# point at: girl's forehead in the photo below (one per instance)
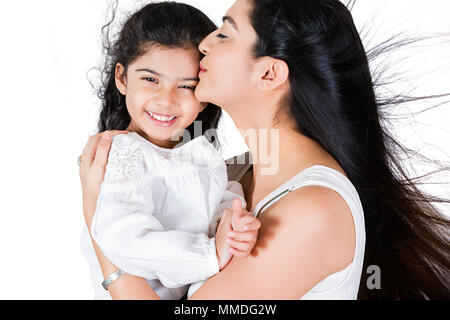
(170, 62)
(158, 52)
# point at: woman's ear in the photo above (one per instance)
(120, 78)
(274, 74)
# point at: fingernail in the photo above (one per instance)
(231, 234)
(228, 240)
(246, 228)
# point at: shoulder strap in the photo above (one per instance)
(336, 181)
(274, 199)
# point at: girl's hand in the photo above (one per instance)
(92, 169)
(236, 234)
(245, 227)
(223, 252)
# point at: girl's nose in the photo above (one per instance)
(166, 99)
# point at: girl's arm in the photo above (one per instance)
(130, 287)
(130, 235)
(137, 243)
(127, 287)
(92, 172)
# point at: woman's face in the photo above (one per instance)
(159, 88)
(226, 75)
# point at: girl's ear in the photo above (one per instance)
(120, 78)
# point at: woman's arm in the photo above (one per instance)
(304, 237)
(295, 250)
(299, 236)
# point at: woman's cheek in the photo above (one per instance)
(205, 88)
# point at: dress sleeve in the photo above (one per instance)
(132, 238)
(233, 190)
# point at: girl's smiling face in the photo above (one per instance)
(159, 88)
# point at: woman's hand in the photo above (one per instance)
(92, 169)
(236, 234)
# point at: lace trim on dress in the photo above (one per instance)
(125, 161)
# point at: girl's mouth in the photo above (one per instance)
(161, 120)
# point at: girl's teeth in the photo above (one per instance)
(161, 118)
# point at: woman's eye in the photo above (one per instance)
(221, 36)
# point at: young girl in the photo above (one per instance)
(158, 208)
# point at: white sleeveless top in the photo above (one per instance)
(341, 285)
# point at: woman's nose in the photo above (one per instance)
(204, 45)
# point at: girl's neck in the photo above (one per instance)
(166, 144)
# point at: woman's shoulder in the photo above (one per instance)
(300, 235)
(312, 201)
(322, 215)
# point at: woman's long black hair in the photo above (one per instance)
(168, 24)
(332, 101)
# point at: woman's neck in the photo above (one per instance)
(278, 150)
(278, 155)
(275, 147)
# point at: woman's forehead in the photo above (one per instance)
(238, 18)
(239, 13)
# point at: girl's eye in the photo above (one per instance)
(188, 87)
(221, 36)
(151, 79)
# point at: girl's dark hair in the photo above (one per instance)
(332, 101)
(168, 24)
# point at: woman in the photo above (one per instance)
(299, 67)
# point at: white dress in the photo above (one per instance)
(341, 285)
(157, 213)
(344, 284)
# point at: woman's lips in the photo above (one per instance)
(202, 69)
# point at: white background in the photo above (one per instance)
(49, 110)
